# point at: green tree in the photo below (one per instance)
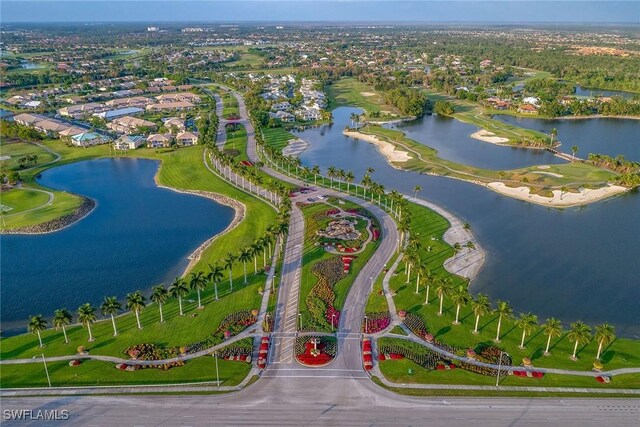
(159, 295)
(481, 307)
(552, 328)
(527, 322)
(86, 316)
(579, 333)
(197, 282)
(416, 190)
(229, 262)
(244, 257)
(215, 276)
(62, 318)
(443, 288)
(36, 325)
(604, 335)
(504, 311)
(135, 303)
(178, 289)
(110, 306)
(460, 298)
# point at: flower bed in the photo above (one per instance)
(320, 299)
(155, 352)
(230, 326)
(375, 233)
(527, 374)
(263, 352)
(238, 351)
(415, 324)
(346, 262)
(406, 349)
(376, 322)
(367, 358)
(318, 354)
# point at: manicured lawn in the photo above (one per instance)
(350, 92)
(237, 140)
(18, 200)
(16, 150)
(230, 105)
(97, 373)
(276, 137)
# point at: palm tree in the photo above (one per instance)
(429, 278)
(159, 295)
(245, 255)
(409, 258)
(316, 171)
(111, 306)
(605, 334)
(331, 172)
(480, 307)
(354, 118)
(460, 298)
(61, 318)
(443, 289)
(370, 170)
(580, 333)
(36, 325)
(86, 316)
(349, 177)
(527, 322)
(256, 249)
(178, 289)
(552, 328)
(198, 282)
(504, 311)
(136, 302)
(553, 133)
(416, 190)
(229, 262)
(215, 275)
(574, 151)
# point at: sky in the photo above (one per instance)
(414, 11)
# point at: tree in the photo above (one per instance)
(481, 307)
(349, 177)
(316, 171)
(460, 297)
(244, 257)
(443, 108)
(504, 311)
(215, 276)
(256, 249)
(574, 151)
(178, 289)
(159, 295)
(552, 328)
(429, 278)
(197, 282)
(136, 302)
(580, 333)
(554, 133)
(86, 316)
(331, 172)
(416, 190)
(604, 335)
(110, 306)
(443, 289)
(527, 322)
(229, 262)
(36, 325)
(62, 318)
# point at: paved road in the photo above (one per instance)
(323, 401)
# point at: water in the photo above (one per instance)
(578, 263)
(583, 91)
(600, 135)
(139, 235)
(453, 141)
(6, 114)
(28, 65)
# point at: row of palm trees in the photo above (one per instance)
(579, 333)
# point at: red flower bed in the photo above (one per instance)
(246, 163)
(376, 234)
(314, 355)
(262, 354)
(332, 315)
(332, 212)
(346, 262)
(396, 356)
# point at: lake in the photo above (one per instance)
(577, 263)
(584, 91)
(599, 135)
(139, 235)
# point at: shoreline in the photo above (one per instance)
(387, 149)
(593, 116)
(57, 224)
(490, 137)
(392, 121)
(559, 199)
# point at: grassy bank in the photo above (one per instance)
(352, 93)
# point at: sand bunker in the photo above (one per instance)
(557, 175)
(386, 148)
(486, 136)
(559, 198)
(367, 94)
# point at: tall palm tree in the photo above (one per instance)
(460, 298)
(197, 282)
(86, 316)
(370, 170)
(215, 276)
(110, 306)
(229, 262)
(159, 295)
(136, 302)
(552, 328)
(580, 333)
(504, 311)
(416, 190)
(429, 278)
(244, 257)
(605, 334)
(256, 249)
(62, 318)
(481, 307)
(527, 322)
(409, 258)
(354, 118)
(331, 172)
(574, 151)
(553, 133)
(36, 325)
(315, 171)
(443, 288)
(178, 289)
(349, 177)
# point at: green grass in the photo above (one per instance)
(230, 105)
(237, 140)
(350, 92)
(20, 200)
(21, 149)
(276, 137)
(97, 373)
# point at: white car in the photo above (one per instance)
(321, 197)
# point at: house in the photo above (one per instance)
(178, 97)
(174, 123)
(158, 140)
(73, 130)
(50, 126)
(283, 116)
(282, 106)
(130, 125)
(87, 139)
(187, 138)
(73, 99)
(185, 87)
(134, 101)
(531, 100)
(179, 105)
(77, 111)
(309, 114)
(28, 119)
(129, 142)
(113, 114)
(527, 109)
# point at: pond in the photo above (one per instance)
(139, 235)
(578, 263)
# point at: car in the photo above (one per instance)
(321, 197)
(311, 199)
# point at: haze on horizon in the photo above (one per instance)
(401, 11)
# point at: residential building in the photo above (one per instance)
(179, 105)
(120, 112)
(187, 138)
(283, 116)
(176, 123)
(87, 139)
(178, 97)
(129, 142)
(135, 101)
(130, 125)
(80, 110)
(158, 140)
(527, 109)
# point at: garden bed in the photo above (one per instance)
(315, 351)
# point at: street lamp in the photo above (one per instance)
(45, 368)
(268, 327)
(215, 355)
(371, 278)
(499, 367)
(366, 324)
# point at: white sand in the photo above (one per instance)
(544, 167)
(557, 175)
(568, 199)
(486, 136)
(367, 94)
(386, 148)
(295, 147)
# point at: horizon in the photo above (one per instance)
(400, 12)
